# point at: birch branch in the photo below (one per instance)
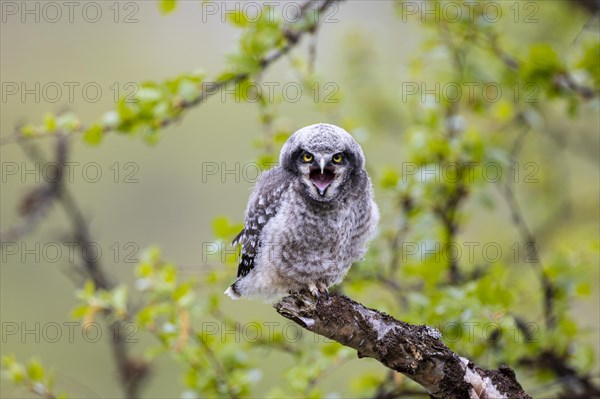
(415, 351)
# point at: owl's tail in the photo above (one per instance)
(232, 292)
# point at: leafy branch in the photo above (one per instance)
(158, 105)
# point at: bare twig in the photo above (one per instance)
(574, 384)
(131, 370)
(530, 243)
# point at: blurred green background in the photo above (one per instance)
(171, 203)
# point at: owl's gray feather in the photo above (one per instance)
(262, 206)
(307, 219)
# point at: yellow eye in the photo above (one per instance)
(337, 158)
(307, 157)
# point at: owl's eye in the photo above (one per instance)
(307, 157)
(337, 158)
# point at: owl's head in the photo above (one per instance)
(325, 158)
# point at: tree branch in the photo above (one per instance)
(132, 371)
(292, 35)
(415, 351)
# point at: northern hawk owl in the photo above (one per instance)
(308, 218)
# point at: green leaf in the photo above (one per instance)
(213, 301)
(591, 61)
(145, 317)
(223, 228)
(389, 178)
(237, 18)
(281, 137)
(151, 255)
(35, 371)
(583, 289)
(225, 76)
(183, 294)
(544, 56)
(266, 161)
(50, 122)
(169, 274)
(331, 349)
(89, 288)
(8, 361)
(568, 327)
(242, 90)
(16, 373)
(167, 6)
(79, 312)
(29, 130)
(94, 134)
(367, 382)
(540, 67)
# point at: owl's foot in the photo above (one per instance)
(314, 290)
(319, 290)
(322, 289)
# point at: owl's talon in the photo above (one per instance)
(312, 288)
(322, 288)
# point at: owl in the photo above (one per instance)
(307, 219)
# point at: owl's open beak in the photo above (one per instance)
(322, 177)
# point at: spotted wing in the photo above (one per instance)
(263, 205)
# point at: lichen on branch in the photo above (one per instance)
(416, 351)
